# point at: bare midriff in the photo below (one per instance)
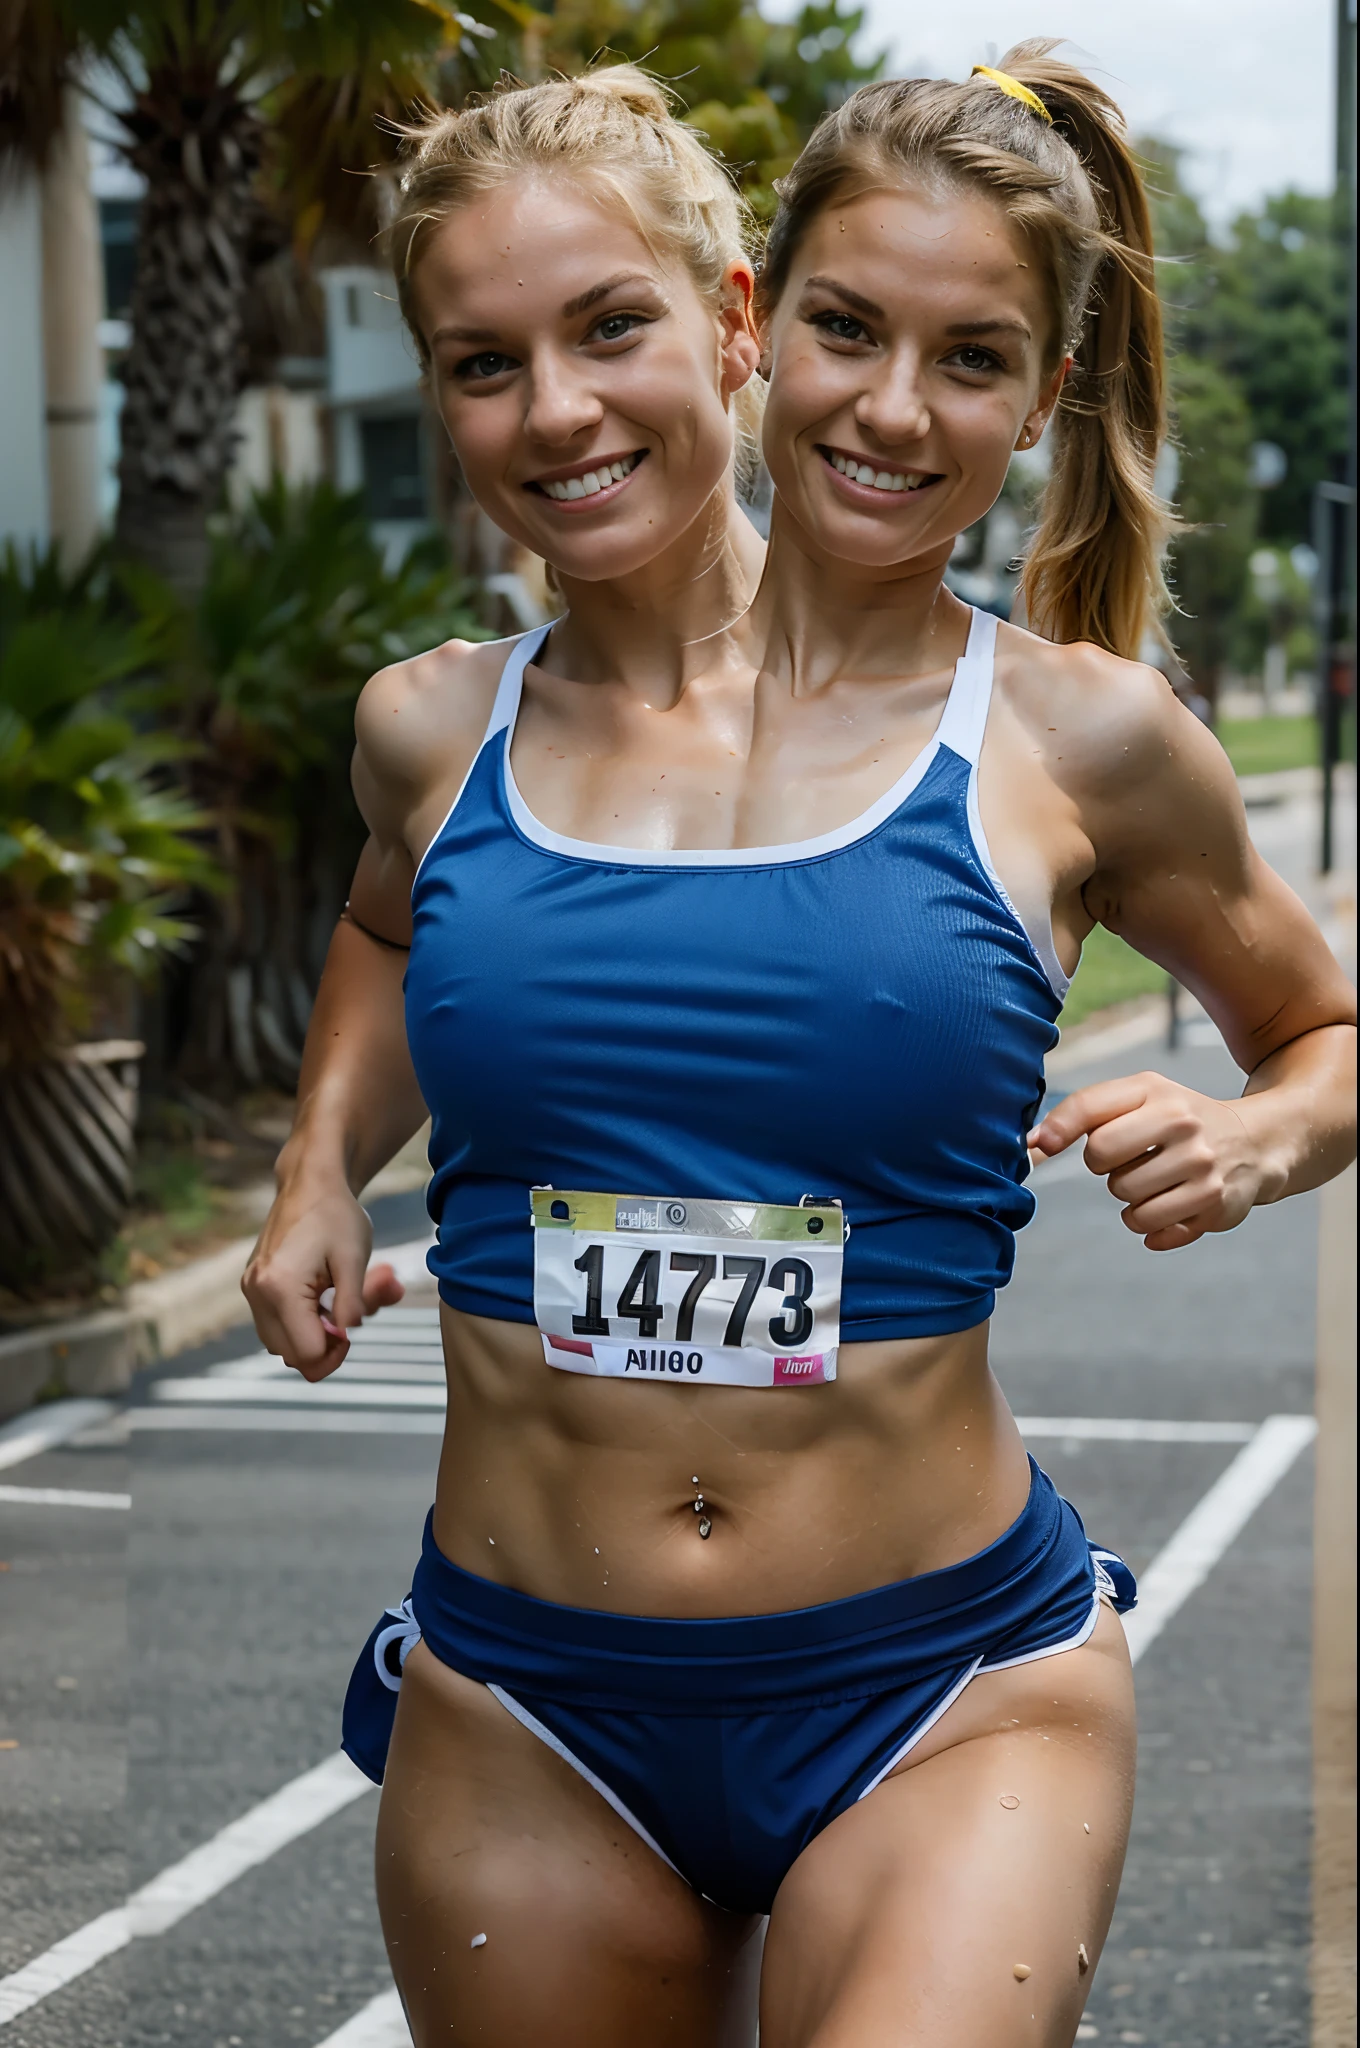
(641, 1498)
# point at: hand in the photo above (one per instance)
(311, 1243)
(1182, 1164)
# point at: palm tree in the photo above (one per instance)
(241, 113)
(205, 96)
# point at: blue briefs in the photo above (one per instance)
(728, 1745)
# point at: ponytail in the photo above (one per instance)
(1047, 145)
(1094, 569)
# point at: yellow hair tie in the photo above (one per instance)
(1014, 90)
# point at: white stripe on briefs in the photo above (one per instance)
(295, 1809)
(555, 1742)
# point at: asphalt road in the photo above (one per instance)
(168, 1668)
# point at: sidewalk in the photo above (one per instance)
(97, 1355)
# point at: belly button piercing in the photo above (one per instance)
(705, 1526)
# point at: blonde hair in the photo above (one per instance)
(613, 125)
(1067, 179)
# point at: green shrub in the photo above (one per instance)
(258, 689)
(98, 845)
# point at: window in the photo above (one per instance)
(394, 481)
(118, 237)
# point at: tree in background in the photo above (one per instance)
(199, 94)
(1257, 330)
(756, 88)
(252, 123)
(1272, 314)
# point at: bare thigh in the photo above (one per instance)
(590, 1937)
(965, 1902)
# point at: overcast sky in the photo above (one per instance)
(1245, 84)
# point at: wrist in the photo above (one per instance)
(313, 1164)
(1272, 1151)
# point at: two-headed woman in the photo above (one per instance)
(735, 925)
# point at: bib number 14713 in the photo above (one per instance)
(688, 1290)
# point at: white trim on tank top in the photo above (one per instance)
(961, 729)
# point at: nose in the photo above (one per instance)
(892, 407)
(561, 401)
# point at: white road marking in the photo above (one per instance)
(62, 1497)
(48, 1426)
(331, 1393)
(379, 2024)
(295, 1809)
(1117, 1430)
(1185, 1562)
(334, 1421)
(419, 1370)
(63, 1963)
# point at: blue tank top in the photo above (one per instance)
(861, 1015)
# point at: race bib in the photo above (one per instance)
(735, 1294)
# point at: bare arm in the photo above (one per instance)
(1177, 877)
(358, 1100)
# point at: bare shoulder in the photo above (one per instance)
(1104, 727)
(423, 719)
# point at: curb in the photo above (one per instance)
(99, 1353)
(95, 1354)
(194, 1302)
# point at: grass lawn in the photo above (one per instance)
(1257, 746)
(1110, 972)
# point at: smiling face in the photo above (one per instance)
(584, 381)
(910, 353)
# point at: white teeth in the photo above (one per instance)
(594, 480)
(877, 479)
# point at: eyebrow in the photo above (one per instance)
(580, 304)
(585, 300)
(963, 328)
(855, 299)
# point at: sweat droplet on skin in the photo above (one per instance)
(1083, 1960)
(477, 1941)
(1020, 1971)
(1009, 1801)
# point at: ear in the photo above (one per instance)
(740, 341)
(1041, 412)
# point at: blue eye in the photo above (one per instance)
(477, 369)
(971, 357)
(840, 326)
(615, 326)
